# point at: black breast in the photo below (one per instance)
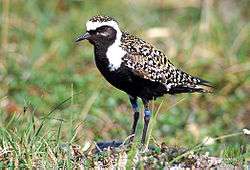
(124, 79)
(120, 78)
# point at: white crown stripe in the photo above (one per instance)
(92, 25)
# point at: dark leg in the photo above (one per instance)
(133, 101)
(147, 115)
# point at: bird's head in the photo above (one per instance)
(101, 30)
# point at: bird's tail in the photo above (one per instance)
(198, 85)
(203, 86)
(188, 84)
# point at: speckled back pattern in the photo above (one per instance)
(152, 64)
(100, 18)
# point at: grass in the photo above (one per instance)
(31, 149)
(52, 97)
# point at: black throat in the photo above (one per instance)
(102, 38)
(101, 60)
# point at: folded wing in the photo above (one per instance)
(147, 62)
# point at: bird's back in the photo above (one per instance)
(149, 63)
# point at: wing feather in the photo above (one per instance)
(149, 63)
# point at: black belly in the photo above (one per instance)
(124, 79)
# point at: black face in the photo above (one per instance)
(104, 36)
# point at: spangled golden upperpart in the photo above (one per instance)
(146, 61)
(101, 18)
(150, 63)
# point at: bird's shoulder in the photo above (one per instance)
(145, 60)
(134, 45)
(149, 63)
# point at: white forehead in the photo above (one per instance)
(92, 25)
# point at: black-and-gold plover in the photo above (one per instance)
(136, 67)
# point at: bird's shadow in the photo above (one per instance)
(100, 146)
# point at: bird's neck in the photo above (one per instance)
(100, 56)
(109, 56)
(101, 47)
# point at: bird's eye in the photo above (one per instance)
(98, 31)
(91, 31)
(101, 29)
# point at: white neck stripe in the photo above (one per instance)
(114, 52)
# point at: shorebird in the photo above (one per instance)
(136, 67)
